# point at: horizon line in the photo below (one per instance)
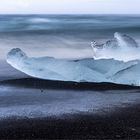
(68, 14)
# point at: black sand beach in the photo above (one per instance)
(122, 124)
(63, 85)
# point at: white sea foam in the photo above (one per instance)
(40, 20)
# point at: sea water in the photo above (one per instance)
(62, 36)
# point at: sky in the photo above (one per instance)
(69, 6)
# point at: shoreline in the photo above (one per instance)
(61, 85)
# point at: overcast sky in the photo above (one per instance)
(70, 6)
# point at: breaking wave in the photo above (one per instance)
(40, 20)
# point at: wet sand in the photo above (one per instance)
(63, 85)
(123, 122)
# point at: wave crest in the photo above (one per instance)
(39, 20)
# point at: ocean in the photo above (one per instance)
(62, 36)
